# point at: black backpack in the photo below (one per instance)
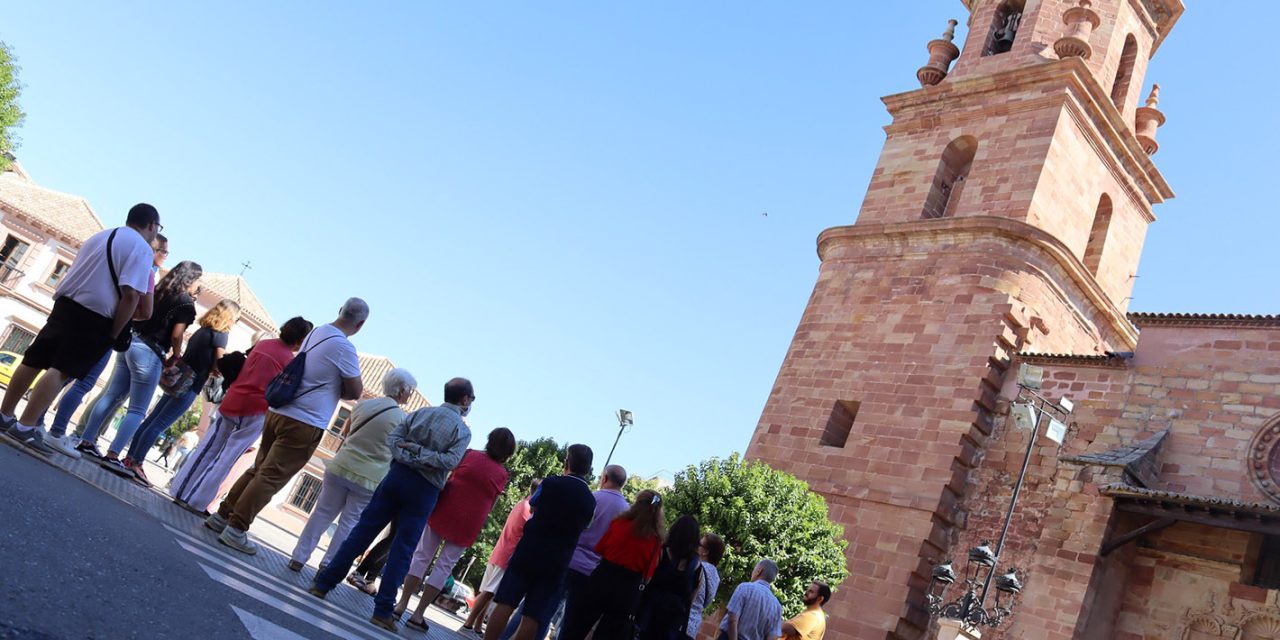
(285, 387)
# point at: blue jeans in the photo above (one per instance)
(405, 497)
(136, 376)
(543, 626)
(71, 399)
(162, 416)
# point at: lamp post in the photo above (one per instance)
(625, 419)
(970, 608)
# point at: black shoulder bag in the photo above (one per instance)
(122, 341)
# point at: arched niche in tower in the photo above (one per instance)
(1004, 27)
(948, 180)
(1124, 72)
(1098, 235)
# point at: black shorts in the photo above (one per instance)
(72, 341)
(538, 582)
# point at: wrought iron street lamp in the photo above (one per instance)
(981, 572)
(625, 419)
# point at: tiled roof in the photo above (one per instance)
(68, 215)
(1109, 359)
(1204, 320)
(373, 369)
(1189, 500)
(236, 289)
(1138, 460)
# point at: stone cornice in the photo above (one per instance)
(992, 226)
(1088, 104)
(1103, 361)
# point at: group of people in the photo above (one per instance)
(600, 565)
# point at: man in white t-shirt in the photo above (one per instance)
(96, 299)
(292, 432)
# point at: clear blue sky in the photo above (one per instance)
(562, 200)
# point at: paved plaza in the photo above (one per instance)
(93, 555)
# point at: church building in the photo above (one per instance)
(968, 341)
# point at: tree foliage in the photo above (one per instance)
(537, 459)
(11, 114)
(636, 484)
(762, 513)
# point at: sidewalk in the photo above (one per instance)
(271, 560)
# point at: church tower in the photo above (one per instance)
(1007, 213)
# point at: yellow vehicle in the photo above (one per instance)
(9, 361)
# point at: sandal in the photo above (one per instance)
(356, 580)
(419, 625)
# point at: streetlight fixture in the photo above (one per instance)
(625, 420)
(969, 608)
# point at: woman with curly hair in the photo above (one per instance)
(203, 351)
(156, 341)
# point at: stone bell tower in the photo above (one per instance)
(1007, 212)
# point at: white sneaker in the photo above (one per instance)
(66, 445)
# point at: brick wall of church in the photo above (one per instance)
(1213, 387)
(915, 328)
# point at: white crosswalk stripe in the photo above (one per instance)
(262, 629)
(345, 630)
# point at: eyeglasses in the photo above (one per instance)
(159, 227)
(162, 252)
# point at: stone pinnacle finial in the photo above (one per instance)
(950, 34)
(1153, 100)
(1146, 120)
(941, 54)
(1080, 21)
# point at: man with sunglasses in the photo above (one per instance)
(93, 304)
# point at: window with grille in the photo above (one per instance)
(335, 428)
(55, 276)
(305, 492)
(17, 341)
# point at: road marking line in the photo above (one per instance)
(345, 631)
(262, 629)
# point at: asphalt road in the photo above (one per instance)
(78, 563)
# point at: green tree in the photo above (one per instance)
(11, 114)
(762, 513)
(636, 484)
(537, 459)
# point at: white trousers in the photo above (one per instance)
(207, 466)
(426, 551)
(339, 498)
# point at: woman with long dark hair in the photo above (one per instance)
(203, 350)
(629, 554)
(156, 343)
(664, 613)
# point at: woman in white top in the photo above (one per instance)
(352, 475)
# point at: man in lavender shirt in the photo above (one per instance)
(609, 503)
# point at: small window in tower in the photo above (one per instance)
(840, 424)
(949, 180)
(1004, 27)
(1124, 72)
(1098, 235)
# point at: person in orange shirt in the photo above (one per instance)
(811, 624)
